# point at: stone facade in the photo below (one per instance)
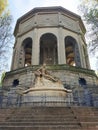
(70, 77)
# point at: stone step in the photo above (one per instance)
(86, 109)
(41, 119)
(43, 107)
(84, 112)
(42, 116)
(89, 124)
(88, 118)
(41, 128)
(95, 112)
(49, 118)
(39, 123)
(44, 113)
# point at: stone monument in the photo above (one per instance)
(54, 36)
(46, 89)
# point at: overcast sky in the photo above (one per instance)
(20, 7)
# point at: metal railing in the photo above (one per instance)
(19, 101)
(34, 101)
(88, 97)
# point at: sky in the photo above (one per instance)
(20, 7)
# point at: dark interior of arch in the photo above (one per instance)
(28, 51)
(72, 52)
(48, 49)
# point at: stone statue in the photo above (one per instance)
(42, 72)
(46, 90)
(43, 80)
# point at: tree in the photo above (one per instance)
(89, 11)
(87, 1)
(3, 5)
(5, 35)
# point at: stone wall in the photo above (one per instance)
(82, 82)
(68, 75)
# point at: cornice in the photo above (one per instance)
(52, 9)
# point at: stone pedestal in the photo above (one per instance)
(48, 93)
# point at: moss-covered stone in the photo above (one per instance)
(53, 67)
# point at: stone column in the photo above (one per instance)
(13, 58)
(61, 47)
(81, 52)
(86, 58)
(35, 48)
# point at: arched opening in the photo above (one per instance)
(72, 52)
(48, 49)
(27, 44)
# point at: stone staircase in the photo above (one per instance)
(87, 116)
(49, 118)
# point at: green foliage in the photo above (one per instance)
(87, 1)
(3, 5)
(2, 77)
